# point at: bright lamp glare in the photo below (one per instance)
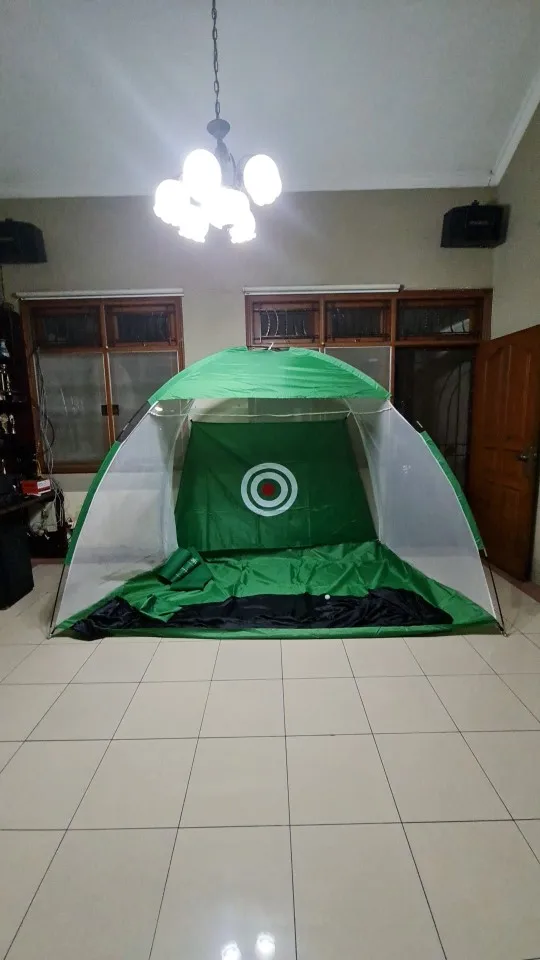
(262, 180)
(231, 951)
(194, 224)
(201, 174)
(226, 207)
(244, 229)
(170, 202)
(265, 947)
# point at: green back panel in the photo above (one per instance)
(253, 486)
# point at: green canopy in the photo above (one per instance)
(273, 493)
(293, 372)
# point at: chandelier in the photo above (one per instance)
(213, 189)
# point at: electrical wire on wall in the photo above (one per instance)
(46, 442)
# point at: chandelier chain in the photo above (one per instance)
(216, 60)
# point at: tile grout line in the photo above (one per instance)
(20, 744)
(492, 674)
(38, 888)
(12, 941)
(358, 676)
(64, 688)
(259, 826)
(467, 744)
(273, 736)
(501, 676)
(175, 841)
(111, 739)
(396, 805)
(65, 832)
(288, 799)
(29, 654)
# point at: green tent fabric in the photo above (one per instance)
(249, 486)
(345, 569)
(302, 480)
(184, 570)
(281, 374)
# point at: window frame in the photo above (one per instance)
(480, 298)
(31, 314)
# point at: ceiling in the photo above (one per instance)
(105, 97)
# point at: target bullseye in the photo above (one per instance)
(269, 489)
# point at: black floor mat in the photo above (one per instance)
(384, 607)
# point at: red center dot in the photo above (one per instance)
(268, 489)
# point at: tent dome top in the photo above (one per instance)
(273, 373)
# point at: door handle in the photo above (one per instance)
(530, 454)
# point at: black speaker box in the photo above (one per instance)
(21, 243)
(16, 578)
(478, 225)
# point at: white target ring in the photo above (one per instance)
(269, 489)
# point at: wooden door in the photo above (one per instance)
(504, 447)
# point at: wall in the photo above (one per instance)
(117, 243)
(308, 238)
(516, 264)
(516, 300)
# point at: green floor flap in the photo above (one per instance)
(345, 569)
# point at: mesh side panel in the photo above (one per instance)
(130, 526)
(359, 451)
(421, 519)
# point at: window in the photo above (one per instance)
(420, 345)
(350, 322)
(422, 320)
(93, 363)
(291, 321)
(433, 389)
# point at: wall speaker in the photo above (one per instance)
(477, 225)
(21, 243)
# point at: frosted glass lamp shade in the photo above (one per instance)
(194, 224)
(201, 174)
(226, 207)
(170, 201)
(244, 229)
(262, 180)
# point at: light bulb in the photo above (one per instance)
(226, 206)
(244, 229)
(262, 180)
(194, 224)
(231, 951)
(170, 202)
(265, 947)
(201, 174)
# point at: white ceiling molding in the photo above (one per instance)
(523, 117)
(343, 288)
(444, 181)
(96, 294)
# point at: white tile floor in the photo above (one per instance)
(377, 799)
